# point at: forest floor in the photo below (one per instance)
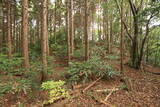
(145, 91)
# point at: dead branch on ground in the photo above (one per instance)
(93, 83)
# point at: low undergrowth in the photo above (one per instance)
(18, 79)
(55, 91)
(86, 71)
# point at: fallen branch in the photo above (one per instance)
(107, 104)
(102, 102)
(91, 85)
(105, 101)
(109, 94)
(106, 90)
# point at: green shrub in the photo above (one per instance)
(5, 88)
(56, 92)
(101, 68)
(23, 85)
(57, 43)
(36, 71)
(85, 71)
(59, 37)
(59, 50)
(16, 86)
(35, 49)
(98, 51)
(112, 57)
(79, 72)
(78, 53)
(10, 65)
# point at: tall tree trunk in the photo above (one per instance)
(25, 33)
(111, 34)
(44, 33)
(108, 33)
(14, 26)
(99, 22)
(68, 32)
(147, 53)
(71, 22)
(122, 38)
(4, 26)
(38, 28)
(19, 38)
(1, 27)
(82, 23)
(104, 25)
(9, 40)
(86, 32)
(92, 26)
(134, 47)
(55, 16)
(134, 54)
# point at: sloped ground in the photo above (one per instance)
(145, 92)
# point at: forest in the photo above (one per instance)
(79, 53)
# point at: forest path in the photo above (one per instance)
(59, 69)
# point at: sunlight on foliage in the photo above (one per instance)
(56, 92)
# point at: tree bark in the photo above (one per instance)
(4, 32)
(122, 38)
(71, 22)
(44, 33)
(1, 27)
(55, 16)
(25, 52)
(92, 26)
(111, 34)
(68, 32)
(86, 32)
(134, 47)
(9, 40)
(108, 33)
